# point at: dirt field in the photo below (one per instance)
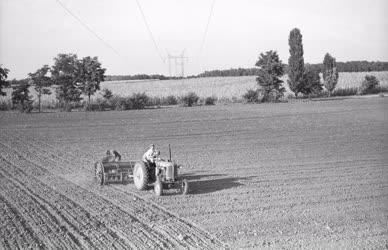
(309, 174)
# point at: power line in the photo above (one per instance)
(150, 32)
(86, 26)
(206, 29)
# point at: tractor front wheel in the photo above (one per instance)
(185, 187)
(140, 176)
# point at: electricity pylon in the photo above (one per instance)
(179, 62)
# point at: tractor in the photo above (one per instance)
(162, 174)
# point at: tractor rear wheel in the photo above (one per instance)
(158, 188)
(99, 172)
(185, 187)
(140, 176)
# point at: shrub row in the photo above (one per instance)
(142, 101)
(370, 85)
(114, 102)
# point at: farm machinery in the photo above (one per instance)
(161, 174)
(113, 172)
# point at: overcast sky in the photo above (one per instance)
(33, 32)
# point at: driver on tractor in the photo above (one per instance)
(150, 156)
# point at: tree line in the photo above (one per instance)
(302, 78)
(351, 66)
(137, 77)
(71, 78)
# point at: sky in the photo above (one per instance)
(33, 32)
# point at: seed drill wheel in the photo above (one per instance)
(140, 176)
(99, 172)
(184, 187)
(158, 188)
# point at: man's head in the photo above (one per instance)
(116, 154)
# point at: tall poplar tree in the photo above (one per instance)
(295, 62)
(330, 73)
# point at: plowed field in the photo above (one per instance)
(296, 175)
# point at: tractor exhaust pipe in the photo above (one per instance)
(169, 151)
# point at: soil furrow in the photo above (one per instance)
(138, 233)
(15, 230)
(147, 234)
(297, 175)
(201, 238)
(77, 220)
(50, 232)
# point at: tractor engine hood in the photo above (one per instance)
(164, 164)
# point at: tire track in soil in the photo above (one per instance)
(47, 228)
(70, 215)
(14, 228)
(194, 238)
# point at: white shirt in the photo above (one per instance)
(149, 155)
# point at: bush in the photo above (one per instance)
(159, 101)
(52, 104)
(171, 100)
(190, 99)
(25, 107)
(210, 100)
(118, 103)
(136, 101)
(251, 96)
(369, 85)
(21, 97)
(155, 101)
(5, 105)
(107, 94)
(139, 100)
(382, 89)
(97, 105)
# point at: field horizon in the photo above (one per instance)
(221, 87)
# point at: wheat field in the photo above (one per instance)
(220, 87)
